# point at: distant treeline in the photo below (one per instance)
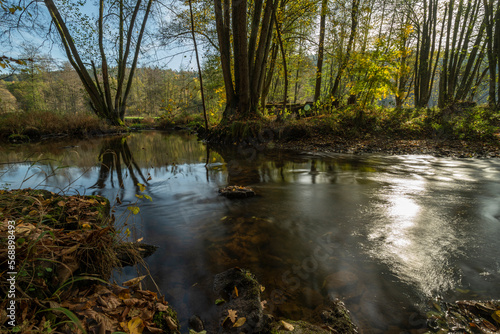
(154, 92)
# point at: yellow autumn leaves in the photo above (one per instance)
(233, 317)
(135, 209)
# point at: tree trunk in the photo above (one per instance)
(250, 54)
(100, 94)
(424, 73)
(350, 44)
(269, 75)
(283, 55)
(223, 33)
(241, 61)
(491, 16)
(462, 60)
(198, 63)
(321, 48)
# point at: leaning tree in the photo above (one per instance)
(120, 28)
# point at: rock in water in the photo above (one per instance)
(338, 318)
(196, 324)
(237, 192)
(242, 293)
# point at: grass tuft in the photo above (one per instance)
(24, 126)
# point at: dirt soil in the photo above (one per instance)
(320, 142)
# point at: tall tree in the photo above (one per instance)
(403, 78)
(321, 49)
(350, 45)
(492, 22)
(249, 51)
(98, 87)
(425, 69)
(198, 64)
(464, 53)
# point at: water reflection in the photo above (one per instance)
(418, 245)
(115, 157)
(385, 234)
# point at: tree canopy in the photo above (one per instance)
(402, 53)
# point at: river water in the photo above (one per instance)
(385, 234)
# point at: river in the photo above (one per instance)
(385, 234)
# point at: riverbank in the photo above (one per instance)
(454, 148)
(454, 132)
(59, 252)
(22, 127)
(405, 132)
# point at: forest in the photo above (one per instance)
(313, 166)
(420, 58)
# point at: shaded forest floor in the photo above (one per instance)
(315, 139)
(453, 132)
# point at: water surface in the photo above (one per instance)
(385, 234)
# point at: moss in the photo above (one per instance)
(167, 321)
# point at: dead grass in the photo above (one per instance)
(35, 125)
(65, 250)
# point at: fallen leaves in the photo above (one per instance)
(236, 291)
(24, 228)
(134, 281)
(114, 308)
(170, 323)
(69, 212)
(237, 192)
(232, 315)
(135, 326)
(496, 316)
(63, 237)
(464, 315)
(287, 326)
(240, 322)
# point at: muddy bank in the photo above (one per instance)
(313, 135)
(434, 147)
(31, 135)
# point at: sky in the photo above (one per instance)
(170, 57)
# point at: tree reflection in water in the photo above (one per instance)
(114, 157)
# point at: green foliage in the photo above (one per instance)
(167, 321)
(474, 123)
(477, 123)
(183, 118)
(70, 315)
(374, 72)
